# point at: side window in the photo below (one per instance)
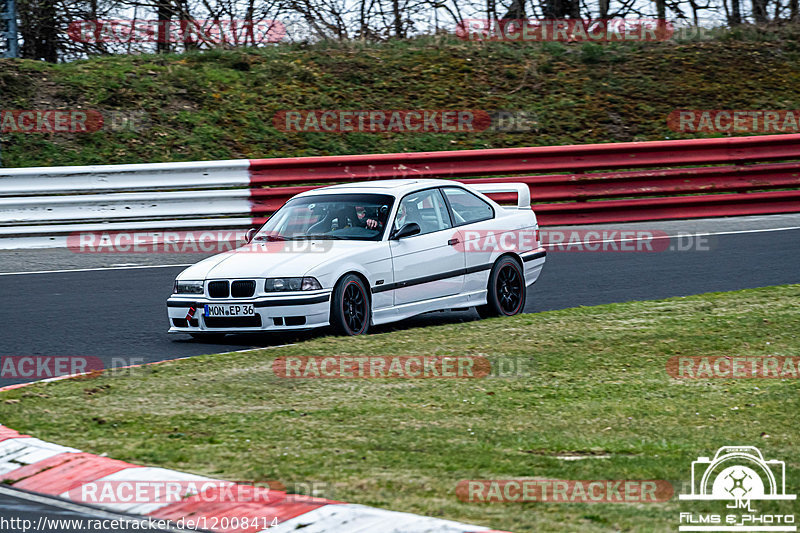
(426, 208)
(467, 208)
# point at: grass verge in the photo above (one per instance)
(587, 382)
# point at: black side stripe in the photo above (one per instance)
(531, 257)
(447, 275)
(419, 281)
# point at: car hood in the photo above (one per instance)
(276, 259)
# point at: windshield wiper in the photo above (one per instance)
(316, 236)
(270, 238)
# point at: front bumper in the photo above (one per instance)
(273, 313)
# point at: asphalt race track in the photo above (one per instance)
(121, 313)
(24, 511)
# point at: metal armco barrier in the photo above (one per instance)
(586, 184)
(40, 207)
(579, 184)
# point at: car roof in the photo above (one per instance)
(396, 187)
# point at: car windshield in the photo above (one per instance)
(359, 217)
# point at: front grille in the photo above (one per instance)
(233, 321)
(243, 288)
(218, 289)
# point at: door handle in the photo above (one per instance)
(452, 242)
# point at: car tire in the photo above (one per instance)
(506, 289)
(350, 307)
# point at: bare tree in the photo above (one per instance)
(38, 29)
(515, 11)
(760, 11)
(560, 9)
(46, 25)
(735, 17)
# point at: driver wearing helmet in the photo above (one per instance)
(378, 221)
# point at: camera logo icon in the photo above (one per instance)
(738, 473)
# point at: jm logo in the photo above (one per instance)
(738, 473)
(738, 485)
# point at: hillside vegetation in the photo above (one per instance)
(221, 104)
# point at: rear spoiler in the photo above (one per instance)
(522, 190)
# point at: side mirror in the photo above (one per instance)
(412, 228)
(249, 235)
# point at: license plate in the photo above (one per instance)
(214, 310)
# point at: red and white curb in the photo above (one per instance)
(38, 466)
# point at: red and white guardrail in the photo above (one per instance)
(579, 184)
(38, 466)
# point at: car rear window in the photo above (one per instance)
(466, 207)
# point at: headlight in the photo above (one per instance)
(291, 284)
(188, 287)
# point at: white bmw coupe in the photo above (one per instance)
(360, 254)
